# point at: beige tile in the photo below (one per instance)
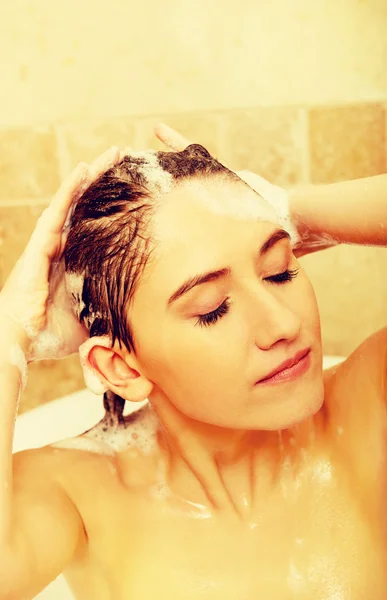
(347, 142)
(268, 141)
(49, 379)
(16, 225)
(83, 141)
(351, 289)
(28, 163)
(200, 128)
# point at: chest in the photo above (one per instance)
(320, 543)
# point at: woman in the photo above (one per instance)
(243, 476)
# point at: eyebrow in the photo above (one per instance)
(210, 276)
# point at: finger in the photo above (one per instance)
(54, 216)
(170, 137)
(74, 183)
(100, 165)
(104, 162)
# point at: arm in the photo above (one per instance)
(40, 526)
(352, 212)
(349, 212)
(11, 388)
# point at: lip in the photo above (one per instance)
(289, 369)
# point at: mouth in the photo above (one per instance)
(298, 367)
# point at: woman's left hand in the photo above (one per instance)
(281, 199)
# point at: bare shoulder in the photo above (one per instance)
(58, 465)
(87, 462)
(356, 392)
(365, 367)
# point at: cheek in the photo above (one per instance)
(308, 307)
(196, 371)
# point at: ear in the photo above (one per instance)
(106, 368)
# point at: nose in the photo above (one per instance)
(274, 320)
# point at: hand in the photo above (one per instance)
(34, 295)
(305, 241)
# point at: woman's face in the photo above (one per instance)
(208, 366)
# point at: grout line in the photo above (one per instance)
(39, 123)
(24, 202)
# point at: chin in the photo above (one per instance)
(305, 412)
(299, 411)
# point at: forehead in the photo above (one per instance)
(197, 209)
(199, 226)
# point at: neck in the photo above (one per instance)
(226, 470)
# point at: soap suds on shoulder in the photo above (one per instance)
(138, 430)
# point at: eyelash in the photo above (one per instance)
(218, 313)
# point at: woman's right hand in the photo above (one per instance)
(34, 296)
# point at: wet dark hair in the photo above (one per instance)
(110, 242)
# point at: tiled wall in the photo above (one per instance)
(287, 145)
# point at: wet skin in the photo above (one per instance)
(314, 527)
(251, 492)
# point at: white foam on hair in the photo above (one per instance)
(18, 359)
(229, 204)
(89, 319)
(74, 285)
(277, 197)
(158, 181)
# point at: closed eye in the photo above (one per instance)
(213, 316)
(287, 275)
